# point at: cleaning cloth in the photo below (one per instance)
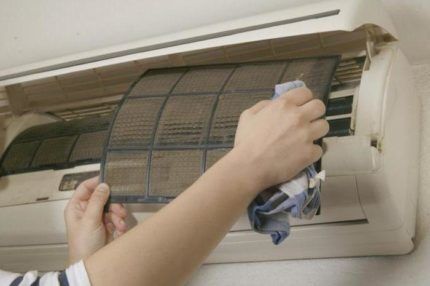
(269, 212)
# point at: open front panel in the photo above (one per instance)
(175, 123)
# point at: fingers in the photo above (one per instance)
(313, 109)
(114, 220)
(314, 153)
(259, 106)
(297, 96)
(118, 209)
(109, 227)
(318, 128)
(96, 203)
(85, 189)
(117, 221)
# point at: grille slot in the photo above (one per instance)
(348, 72)
(340, 127)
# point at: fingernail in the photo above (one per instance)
(103, 188)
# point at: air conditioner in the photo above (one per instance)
(370, 195)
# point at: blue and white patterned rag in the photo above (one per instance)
(300, 197)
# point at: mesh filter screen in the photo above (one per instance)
(203, 80)
(89, 146)
(127, 167)
(63, 128)
(135, 123)
(185, 120)
(19, 156)
(175, 123)
(173, 171)
(227, 114)
(59, 148)
(313, 72)
(54, 151)
(255, 76)
(38, 132)
(156, 82)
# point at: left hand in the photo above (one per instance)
(88, 228)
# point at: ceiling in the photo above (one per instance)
(40, 29)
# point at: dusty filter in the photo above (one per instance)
(175, 123)
(57, 145)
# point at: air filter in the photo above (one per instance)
(54, 151)
(58, 145)
(89, 146)
(176, 123)
(20, 156)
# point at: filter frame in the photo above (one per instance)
(206, 146)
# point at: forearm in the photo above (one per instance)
(166, 248)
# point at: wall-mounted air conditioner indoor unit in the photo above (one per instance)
(64, 105)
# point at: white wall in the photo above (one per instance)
(413, 269)
(32, 31)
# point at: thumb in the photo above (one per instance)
(98, 199)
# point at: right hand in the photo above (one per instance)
(275, 138)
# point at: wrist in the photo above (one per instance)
(245, 171)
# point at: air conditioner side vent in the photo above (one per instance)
(340, 105)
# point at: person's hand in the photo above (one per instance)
(88, 228)
(275, 138)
